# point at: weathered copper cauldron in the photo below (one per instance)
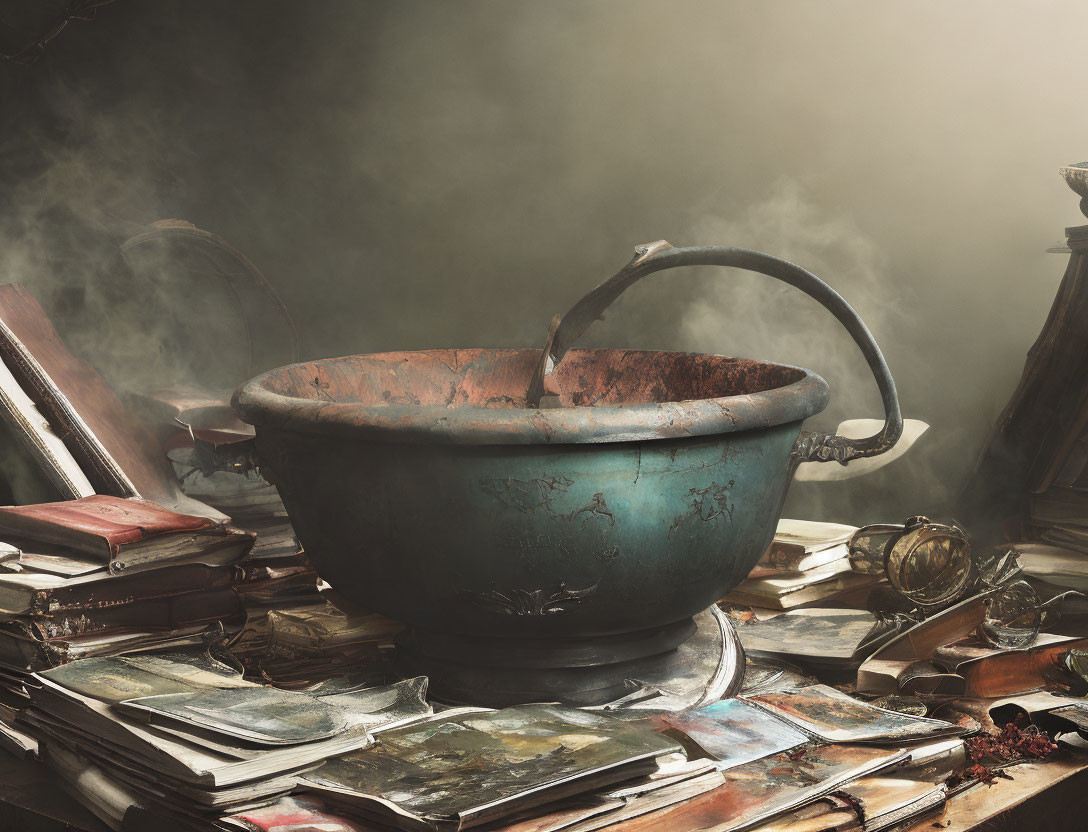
(548, 553)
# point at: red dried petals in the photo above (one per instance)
(991, 752)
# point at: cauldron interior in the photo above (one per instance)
(482, 378)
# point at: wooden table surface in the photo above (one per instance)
(1051, 796)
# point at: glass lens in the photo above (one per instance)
(1013, 617)
(869, 545)
(930, 565)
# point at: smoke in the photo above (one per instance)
(767, 318)
(428, 174)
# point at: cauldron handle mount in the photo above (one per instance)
(658, 256)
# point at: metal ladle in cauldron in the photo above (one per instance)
(661, 255)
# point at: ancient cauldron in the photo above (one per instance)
(548, 552)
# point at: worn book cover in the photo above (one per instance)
(170, 612)
(457, 772)
(832, 716)
(121, 532)
(920, 640)
(733, 732)
(826, 637)
(23, 650)
(807, 536)
(324, 626)
(43, 594)
(47, 450)
(259, 714)
(69, 565)
(793, 560)
(1056, 565)
(825, 588)
(383, 707)
(762, 789)
(782, 583)
(991, 672)
(84, 713)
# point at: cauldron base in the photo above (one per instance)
(498, 672)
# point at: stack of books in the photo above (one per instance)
(807, 563)
(215, 462)
(1052, 569)
(1059, 516)
(309, 643)
(123, 528)
(183, 734)
(100, 574)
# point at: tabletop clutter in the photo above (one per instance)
(169, 652)
(847, 718)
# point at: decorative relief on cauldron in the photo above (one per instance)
(528, 545)
(608, 554)
(530, 495)
(597, 507)
(529, 602)
(706, 505)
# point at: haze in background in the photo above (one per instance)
(413, 175)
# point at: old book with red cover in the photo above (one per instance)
(121, 532)
(118, 454)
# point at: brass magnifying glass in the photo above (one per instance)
(927, 563)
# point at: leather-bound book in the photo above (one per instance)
(123, 533)
(991, 672)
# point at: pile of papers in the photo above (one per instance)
(183, 733)
(463, 770)
(1061, 516)
(178, 739)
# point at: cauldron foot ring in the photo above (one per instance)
(497, 672)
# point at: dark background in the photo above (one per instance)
(419, 174)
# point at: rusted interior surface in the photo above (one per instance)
(497, 378)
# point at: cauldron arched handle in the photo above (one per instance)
(655, 257)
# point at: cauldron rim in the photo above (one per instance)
(474, 425)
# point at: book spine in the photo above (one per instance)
(122, 592)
